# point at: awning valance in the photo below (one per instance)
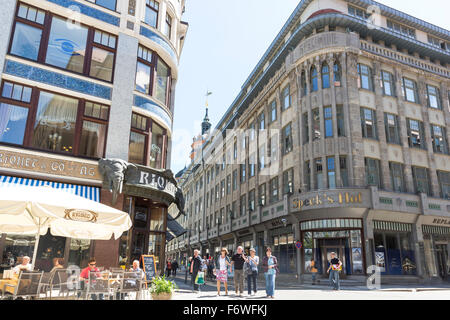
(175, 227)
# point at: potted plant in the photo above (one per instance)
(162, 289)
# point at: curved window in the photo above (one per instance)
(162, 82)
(337, 74)
(325, 76)
(314, 80)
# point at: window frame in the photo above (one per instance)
(443, 136)
(153, 9)
(414, 88)
(391, 82)
(437, 95)
(421, 134)
(286, 89)
(389, 139)
(364, 124)
(369, 76)
(288, 144)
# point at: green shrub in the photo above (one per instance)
(162, 285)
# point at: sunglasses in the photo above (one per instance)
(92, 264)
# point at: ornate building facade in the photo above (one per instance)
(346, 149)
(83, 81)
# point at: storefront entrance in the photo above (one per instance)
(327, 246)
(442, 261)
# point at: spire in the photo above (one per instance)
(206, 125)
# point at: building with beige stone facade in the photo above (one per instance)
(346, 149)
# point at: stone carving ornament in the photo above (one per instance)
(113, 172)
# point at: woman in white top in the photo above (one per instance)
(221, 270)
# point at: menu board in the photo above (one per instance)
(148, 262)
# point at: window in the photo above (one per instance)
(365, 77)
(93, 131)
(421, 180)
(416, 132)
(433, 97)
(274, 190)
(262, 157)
(318, 174)
(286, 100)
(357, 12)
(156, 151)
(344, 171)
(392, 128)
(373, 174)
(287, 139)
(328, 119)
(234, 180)
(162, 82)
(406, 31)
(331, 171)
(222, 189)
(314, 80)
(305, 128)
(303, 84)
(439, 139)
(410, 90)
(307, 174)
(102, 60)
(251, 200)
(16, 92)
(368, 123)
(288, 181)
(13, 121)
(261, 121)
(262, 194)
(242, 205)
(235, 151)
(387, 83)
(273, 111)
(243, 173)
(229, 184)
(151, 13)
(138, 139)
(316, 124)
(340, 121)
(108, 4)
(325, 76)
(396, 171)
(168, 30)
(251, 165)
(444, 183)
(273, 148)
(217, 192)
(337, 74)
(252, 132)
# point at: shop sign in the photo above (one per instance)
(325, 199)
(41, 164)
(153, 181)
(80, 215)
(442, 222)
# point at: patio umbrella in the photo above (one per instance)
(34, 210)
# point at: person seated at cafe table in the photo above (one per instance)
(58, 263)
(84, 277)
(24, 266)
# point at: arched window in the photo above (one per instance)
(303, 83)
(314, 80)
(325, 76)
(337, 74)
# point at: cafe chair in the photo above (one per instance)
(29, 285)
(132, 283)
(98, 284)
(116, 283)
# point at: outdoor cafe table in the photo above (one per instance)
(12, 281)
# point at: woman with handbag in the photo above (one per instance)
(270, 267)
(252, 271)
(335, 267)
(221, 265)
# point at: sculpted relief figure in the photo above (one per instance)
(113, 172)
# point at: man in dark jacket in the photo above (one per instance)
(174, 267)
(196, 265)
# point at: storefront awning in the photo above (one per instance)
(175, 227)
(169, 236)
(91, 193)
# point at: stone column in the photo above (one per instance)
(118, 139)
(419, 251)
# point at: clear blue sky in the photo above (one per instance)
(225, 41)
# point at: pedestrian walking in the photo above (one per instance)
(221, 264)
(334, 269)
(252, 271)
(313, 271)
(238, 261)
(168, 267)
(196, 264)
(270, 267)
(174, 268)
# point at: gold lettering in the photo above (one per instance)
(340, 198)
(83, 170)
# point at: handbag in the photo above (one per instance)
(200, 279)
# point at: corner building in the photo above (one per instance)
(83, 81)
(362, 158)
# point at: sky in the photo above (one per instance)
(225, 41)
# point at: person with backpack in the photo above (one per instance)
(335, 267)
(270, 268)
(252, 271)
(221, 265)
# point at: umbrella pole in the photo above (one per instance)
(36, 244)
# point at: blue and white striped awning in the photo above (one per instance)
(91, 193)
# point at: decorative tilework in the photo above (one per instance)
(89, 11)
(156, 38)
(150, 106)
(56, 79)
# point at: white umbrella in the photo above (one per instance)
(34, 210)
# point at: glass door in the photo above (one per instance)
(442, 257)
